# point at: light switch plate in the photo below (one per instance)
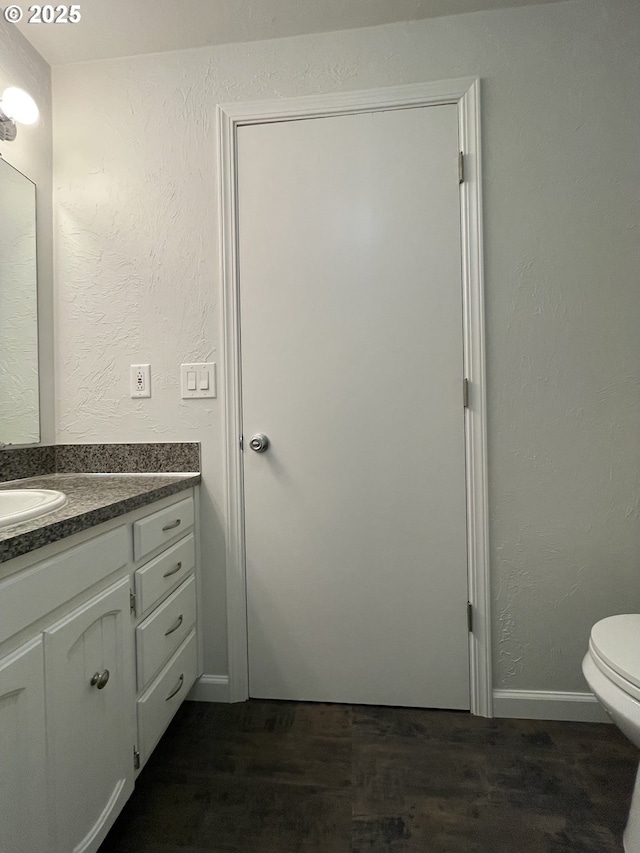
(205, 380)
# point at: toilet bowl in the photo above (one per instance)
(612, 670)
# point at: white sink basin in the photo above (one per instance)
(18, 505)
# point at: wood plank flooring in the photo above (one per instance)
(288, 777)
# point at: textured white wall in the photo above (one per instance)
(137, 279)
(31, 154)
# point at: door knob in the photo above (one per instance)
(259, 443)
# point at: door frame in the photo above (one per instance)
(465, 93)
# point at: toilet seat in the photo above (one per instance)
(615, 647)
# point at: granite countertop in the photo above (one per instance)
(92, 499)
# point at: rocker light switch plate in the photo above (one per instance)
(198, 380)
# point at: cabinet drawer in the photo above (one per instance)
(160, 634)
(164, 572)
(31, 594)
(159, 703)
(153, 531)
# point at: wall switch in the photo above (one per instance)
(198, 380)
(140, 380)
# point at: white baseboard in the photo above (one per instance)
(548, 705)
(210, 688)
(518, 704)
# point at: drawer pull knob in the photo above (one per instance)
(175, 627)
(100, 679)
(173, 570)
(177, 689)
(173, 524)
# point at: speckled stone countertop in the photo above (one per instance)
(92, 499)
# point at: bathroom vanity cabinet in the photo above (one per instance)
(98, 648)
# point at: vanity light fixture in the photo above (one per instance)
(16, 105)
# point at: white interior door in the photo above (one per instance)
(351, 340)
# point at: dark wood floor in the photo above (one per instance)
(283, 777)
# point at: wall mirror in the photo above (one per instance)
(19, 399)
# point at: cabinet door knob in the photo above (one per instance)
(100, 679)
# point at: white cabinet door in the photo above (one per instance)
(90, 717)
(23, 800)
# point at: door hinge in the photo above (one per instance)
(460, 167)
(470, 617)
(132, 601)
(241, 442)
(465, 393)
(136, 758)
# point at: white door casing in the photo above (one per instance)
(465, 95)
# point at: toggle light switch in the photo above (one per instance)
(198, 380)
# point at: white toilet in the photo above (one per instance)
(612, 669)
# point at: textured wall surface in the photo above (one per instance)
(137, 280)
(31, 154)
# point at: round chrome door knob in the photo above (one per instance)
(259, 443)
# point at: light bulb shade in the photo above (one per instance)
(19, 106)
